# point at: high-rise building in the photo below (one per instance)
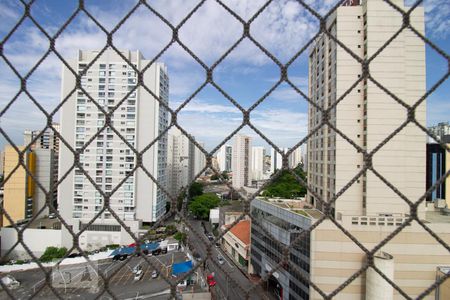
(257, 164)
(46, 146)
(18, 191)
(225, 157)
(45, 140)
(440, 130)
(179, 161)
(369, 208)
(242, 158)
(138, 117)
(276, 160)
(199, 159)
(367, 115)
(295, 158)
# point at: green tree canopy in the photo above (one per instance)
(201, 205)
(286, 185)
(195, 190)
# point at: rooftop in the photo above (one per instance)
(242, 231)
(300, 207)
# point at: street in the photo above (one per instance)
(233, 284)
(81, 281)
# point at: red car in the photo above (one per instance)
(210, 280)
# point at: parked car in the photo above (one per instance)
(136, 268)
(10, 282)
(120, 257)
(52, 216)
(210, 280)
(138, 275)
(220, 259)
(182, 284)
(217, 245)
(155, 274)
(197, 256)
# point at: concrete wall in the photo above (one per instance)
(36, 239)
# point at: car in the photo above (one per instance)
(217, 245)
(136, 268)
(220, 259)
(182, 284)
(52, 216)
(138, 275)
(155, 274)
(197, 256)
(210, 280)
(10, 282)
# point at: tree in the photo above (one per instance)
(224, 175)
(286, 185)
(195, 190)
(201, 205)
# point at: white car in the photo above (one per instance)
(182, 285)
(10, 282)
(138, 275)
(136, 268)
(155, 274)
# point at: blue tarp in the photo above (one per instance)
(130, 250)
(181, 268)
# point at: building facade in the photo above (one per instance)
(18, 191)
(224, 158)
(242, 158)
(236, 243)
(369, 209)
(367, 115)
(180, 161)
(276, 225)
(440, 130)
(138, 117)
(258, 163)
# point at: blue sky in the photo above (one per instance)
(246, 74)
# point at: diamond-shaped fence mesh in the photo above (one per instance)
(228, 285)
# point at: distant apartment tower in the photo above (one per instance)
(199, 159)
(276, 160)
(369, 209)
(257, 163)
(139, 119)
(225, 157)
(242, 158)
(46, 146)
(440, 130)
(180, 161)
(18, 190)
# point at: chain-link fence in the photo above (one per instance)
(240, 288)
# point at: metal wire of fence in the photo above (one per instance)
(209, 72)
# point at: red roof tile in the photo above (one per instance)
(242, 231)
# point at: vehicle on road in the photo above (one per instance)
(182, 284)
(155, 274)
(136, 268)
(197, 256)
(220, 259)
(10, 282)
(217, 245)
(52, 216)
(120, 257)
(210, 236)
(210, 280)
(138, 275)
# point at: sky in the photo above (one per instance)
(246, 74)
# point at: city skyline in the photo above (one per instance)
(246, 74)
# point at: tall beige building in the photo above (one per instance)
(369, 209)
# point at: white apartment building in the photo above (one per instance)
(242, 159)
(257, 164)
(225, 157)
(107, 158)
(199, 159)
(369, 209)
(296, 158)
(180, 161)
